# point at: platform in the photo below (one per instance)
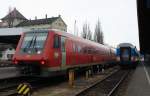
(8, 72)
(139, 85)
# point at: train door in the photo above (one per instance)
(74, 53)
(125, 54)
(57, 51)
(63, 51)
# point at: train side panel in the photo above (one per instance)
(59, 52)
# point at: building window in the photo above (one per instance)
(59, 24)
(9, 56)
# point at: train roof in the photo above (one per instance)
(129, 45)
(72, 37)
(81, 39)
(125, 45)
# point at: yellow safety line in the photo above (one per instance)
(27, 90)
(22, 89)
(19, 86)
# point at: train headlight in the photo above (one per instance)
(15, 62)
(39, 52)
(43, 62)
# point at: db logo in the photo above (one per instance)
(56, 55)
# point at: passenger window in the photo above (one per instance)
(89, 50)
(79, 49)
(56, 41)
(85, 51)
(74, 48)
(63, 49)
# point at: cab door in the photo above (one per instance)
(63, 51)
(56, 61)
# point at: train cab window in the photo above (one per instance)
(33, 42)
(56, 41)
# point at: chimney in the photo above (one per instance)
(15, 8)
(14, 14)
(46, 16)
(35, 17)
(59, 15)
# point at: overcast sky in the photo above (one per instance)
(118, 17)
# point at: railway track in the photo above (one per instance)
(36, 83)
(106, 87)
(8, 86)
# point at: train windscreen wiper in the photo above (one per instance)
(34, 43)
(29, 44)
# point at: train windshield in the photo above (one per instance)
(33, 42)
(125, 54)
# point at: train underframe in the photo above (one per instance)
(35, 69)
(128, 65)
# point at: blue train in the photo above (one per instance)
(127, 55)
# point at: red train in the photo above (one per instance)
(50, 52)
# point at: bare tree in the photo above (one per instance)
(98, 34)
(86, 32)
(75, 28)
(89, 34)
(102, 38)
(10, 18)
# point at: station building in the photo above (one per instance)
(16, 19)
(14, 23)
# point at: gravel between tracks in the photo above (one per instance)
(62, 89)
(106, 86)
(123, 87)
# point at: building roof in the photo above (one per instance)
(14, 14)
(37, 21)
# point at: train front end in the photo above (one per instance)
(127, 55)
(30, 54)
